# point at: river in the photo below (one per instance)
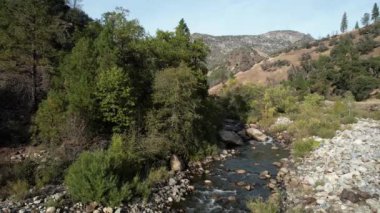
(228, 189)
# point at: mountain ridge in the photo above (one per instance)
(230, 54)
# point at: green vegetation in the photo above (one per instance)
(365, 19)
(260, 206)
(340, 72)
(343, 24)
(375, 12)
(19, 189)
(303, 147)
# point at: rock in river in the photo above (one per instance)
(230, 137)
(257, 134)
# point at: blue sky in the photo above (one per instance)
(238, 17)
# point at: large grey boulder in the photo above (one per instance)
(230, 137)
(256, 134)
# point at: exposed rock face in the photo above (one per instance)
(342, 175)
(239, 53)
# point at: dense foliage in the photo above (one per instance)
(340, 72)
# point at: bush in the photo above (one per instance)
(51, 172)
(366, 45)
(268, 66)
(260, 206)
(322, 48)
(300, 148)
(92, 178)
(19, 189)
(50, 119)
(158, 175)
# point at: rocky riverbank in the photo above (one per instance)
(54, 198)
(342, 175)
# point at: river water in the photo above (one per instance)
(225, 194)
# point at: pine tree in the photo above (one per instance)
(375, 12)
(365, 19)
(26, 41)
(343, 25)
(357, 26)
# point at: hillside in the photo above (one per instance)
(232, 54)
(275, 69)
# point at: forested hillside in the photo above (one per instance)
(71, 84)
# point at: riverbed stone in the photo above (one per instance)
(264, 175)
(241, 171)
(208, 182)
(176, 163)
(256, 134)
(230, 137)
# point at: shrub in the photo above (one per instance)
(302, 147)
(260, 206)
(50, 119)
(50, 172)
(322, 48)
(366, 45)
(268, 66)
(92, 178)
(19, 189)
(158, 175)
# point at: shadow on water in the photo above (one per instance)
(225, 194)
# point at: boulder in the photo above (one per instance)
(256, 134)
(50, 210)
(107, 210)
(176, 163)
(230, 137)
(349, 195)
(264, 175)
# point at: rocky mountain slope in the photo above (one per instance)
(275, 69)
(239, 53)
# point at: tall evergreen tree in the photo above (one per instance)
(343, 24)
(365, 19)
(27, 41)
(357, 26)
(375, 12)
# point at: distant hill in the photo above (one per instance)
(275, 69)
(232, 54)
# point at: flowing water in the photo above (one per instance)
(224, 194)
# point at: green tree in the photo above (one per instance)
(177, 108)
(365, 19)
(79, 71)
(357, 26)
(343, 24)
(26, 39)
(375, 12)
(116, 102)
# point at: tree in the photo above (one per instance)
(375, 12)
(177, 108)
(365, 19)
(26, 39)
(343, 25)
(357, 26)
(116, 102)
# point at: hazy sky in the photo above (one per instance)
(234, 17)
